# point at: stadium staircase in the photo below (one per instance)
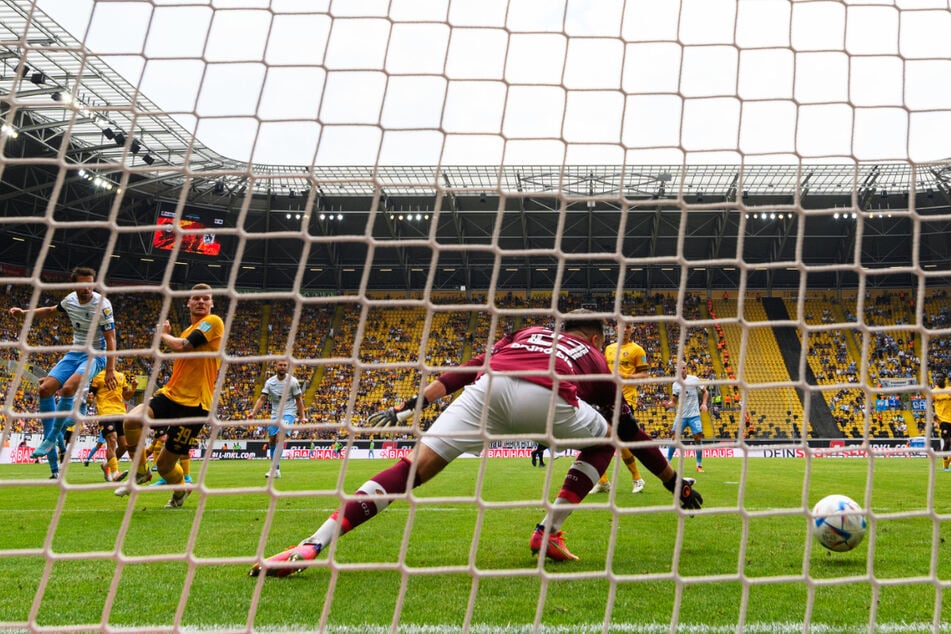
(472, 327)
(773, 411)
(664, 343)
(263, 346)
(326, 351)
(820, 416)
(855, 352)
(718, 366)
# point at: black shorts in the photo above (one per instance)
(181, 438)
(109, 425)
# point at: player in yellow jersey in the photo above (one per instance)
(110, 408)
(631, 362)
(187, 394)
(942, 414)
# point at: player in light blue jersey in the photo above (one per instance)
(90, 315)
(690, 396)
(284, 393)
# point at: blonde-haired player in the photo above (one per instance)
(184, 402)
(630, 361)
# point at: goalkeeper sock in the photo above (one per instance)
(587, 469)
(394, 480)
(670, 452)
(591, 463)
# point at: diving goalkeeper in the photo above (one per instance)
(519, 397)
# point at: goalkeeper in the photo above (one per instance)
(532, 403)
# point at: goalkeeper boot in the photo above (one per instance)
(557, 550)
(283, 564)
(638, 486)
(44, 449)
(177, 500)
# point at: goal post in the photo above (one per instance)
(378, 192)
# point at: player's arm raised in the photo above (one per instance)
(39, 313)
(182, 344)
(128, 389)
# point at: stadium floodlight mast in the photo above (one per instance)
(541, 112)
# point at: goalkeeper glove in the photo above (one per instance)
(392, 416)
(690, 498)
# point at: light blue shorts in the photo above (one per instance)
(287, 419)
(75, 362)
(693, 423)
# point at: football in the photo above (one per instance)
(838, 522)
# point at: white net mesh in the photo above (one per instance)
(376, 192)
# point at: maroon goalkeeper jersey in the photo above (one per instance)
(528, 353)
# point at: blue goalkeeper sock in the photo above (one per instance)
(53, 456)
(47, 404)
(670, 453)
(699, 456)
(90, 454)
(65, 406)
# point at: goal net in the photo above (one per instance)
(755, 193)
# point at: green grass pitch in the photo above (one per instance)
(457, 557)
